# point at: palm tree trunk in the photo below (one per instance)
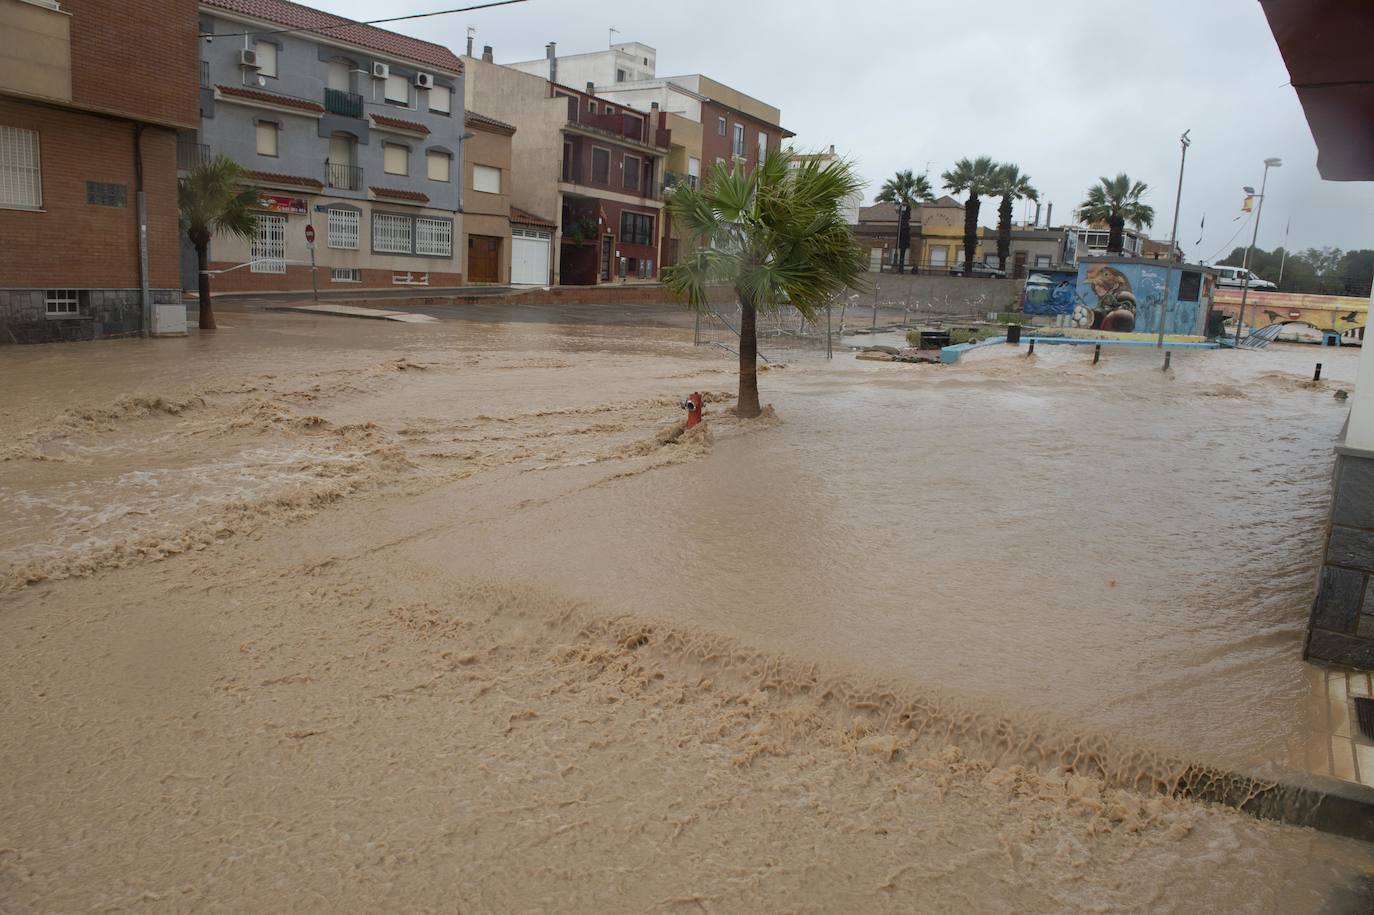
(903, 238)
(748, 405)
(1004, 232)
(970, 232)
(1115, 234)
(207, 313)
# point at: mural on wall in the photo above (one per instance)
(1324, 312)
(1050, 292)
(1126, 297)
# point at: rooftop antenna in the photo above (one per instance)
(471, 33)
(610, 38)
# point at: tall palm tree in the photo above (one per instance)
(1114, 202)
(776, 235)
(977, 178)
(1013, 186)
(212, 199)
(906, 191)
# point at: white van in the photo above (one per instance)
(1235, 277)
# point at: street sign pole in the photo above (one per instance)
(310, 243)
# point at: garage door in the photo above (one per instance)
(529, 257)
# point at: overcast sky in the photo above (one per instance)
(1067, 89)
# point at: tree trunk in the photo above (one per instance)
(1004, 232)
(970, 231)
(748, 405)
(1116, 229)
(903, 238)
(207, 313)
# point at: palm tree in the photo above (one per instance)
(776, 235)
(212, 199)
(906, 191)
(1114, 202)
(978, 178)
(1012, 185)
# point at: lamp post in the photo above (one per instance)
(1274, 162)
(1184, 142)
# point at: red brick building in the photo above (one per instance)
(88, 119)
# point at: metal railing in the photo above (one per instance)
(348, 104)
(571, 172)
(674, 179)
(343, 177)
(190, 154)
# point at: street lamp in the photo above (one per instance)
(1273, 162)
(1173, 236)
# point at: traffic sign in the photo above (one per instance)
(309, 235)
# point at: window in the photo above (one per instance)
(434, 237)
(619, 75)
(636, 229)
(345, 275)
(486, 179)
(693, 170)
(441, 100)
(268, 254)
(437, 165)
(1042, 260)
(591, 106)
(720, 126)
(939, 256)
(958, 257)
(395, 159)
(392, 234)
(646, 268)
(1189, 286)
(267, 138)
(763, 145)
(737, 142)
(21, 183)
(397, 90)
(63, 303)
(343, 229)
(601, 165)
(105, 194)
(632, 173)
(267, 58)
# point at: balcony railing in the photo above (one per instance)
(570, 172)
(190, 154)
(674, 179)
(348, 104)
(343, 177)
(622, 124)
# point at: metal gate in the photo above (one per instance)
(269, 245)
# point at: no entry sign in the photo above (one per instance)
(310, 235)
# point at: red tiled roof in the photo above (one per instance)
(525, 218)
(276, 178)
(286, 101)
(473, 119)
(296, 16)
(382, 120)
(415, 196)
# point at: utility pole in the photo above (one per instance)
(1173, 237)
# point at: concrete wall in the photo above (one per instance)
(951, 295)
(1341, 630)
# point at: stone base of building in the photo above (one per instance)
(1341, 630)
(100, 314)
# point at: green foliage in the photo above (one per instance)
(212, 199)
(1324, 271)
(976, 177)
(1010, 183)
(906, 189)
(1116, 203)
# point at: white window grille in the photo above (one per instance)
(345, 275)
(63, 303)
(391, 234)
(343, 229)
(21, 179)
(434, 237)
(268, 253)
(410, 279)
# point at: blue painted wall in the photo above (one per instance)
(1113, 287)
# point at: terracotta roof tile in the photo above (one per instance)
(296, 16)
(396, 194)
(382, 120)
(481, 120)
(277, 178)
(286, 101)
(524, 218)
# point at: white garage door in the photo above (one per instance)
(529, 257)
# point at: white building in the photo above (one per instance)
(850, 207)
(1092, 242)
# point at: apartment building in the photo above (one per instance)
(590, 169)
(486, 206)
(849, 207)
(345, 127)
(88, 125)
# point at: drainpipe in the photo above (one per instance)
(143, 284)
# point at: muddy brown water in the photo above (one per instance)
(1109, 551)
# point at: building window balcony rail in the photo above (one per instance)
(676, 179)
(205, 74)
(348, 104)
(191, 154)
(343, 177)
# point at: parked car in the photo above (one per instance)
(1235, 278)
(983, 270)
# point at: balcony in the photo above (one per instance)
(677, 179)
(343, 177)
(191, 154)
(348, 104)
(634, 127)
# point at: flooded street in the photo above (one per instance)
(455, 605)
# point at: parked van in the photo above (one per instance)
(1235, 277)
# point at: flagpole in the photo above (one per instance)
(1284, 257)
(1184, 142)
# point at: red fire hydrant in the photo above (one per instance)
(694, 408)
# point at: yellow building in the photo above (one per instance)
(937, 235)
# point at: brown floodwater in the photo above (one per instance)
(1108, 552)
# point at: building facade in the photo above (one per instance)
(348, 128)
(89, 239)
(849, 208)
(486, 204)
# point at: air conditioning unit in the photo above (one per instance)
(424, 80)
(380, 70)
(248, 58)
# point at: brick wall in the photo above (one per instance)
(714, 146)
(75, 245)
(137, 57)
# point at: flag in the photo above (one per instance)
(1202, 229)
(1248, 204)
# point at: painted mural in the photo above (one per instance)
(1325, 312)
(1050, 292)
(1125, 296)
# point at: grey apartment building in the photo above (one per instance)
(345, 127)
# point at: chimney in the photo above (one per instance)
(1037, 213)
(832, 149)
(551, 52)
(653, 107)
(486, 53)
(471, 32)
(1049, 216)
(591, 88)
